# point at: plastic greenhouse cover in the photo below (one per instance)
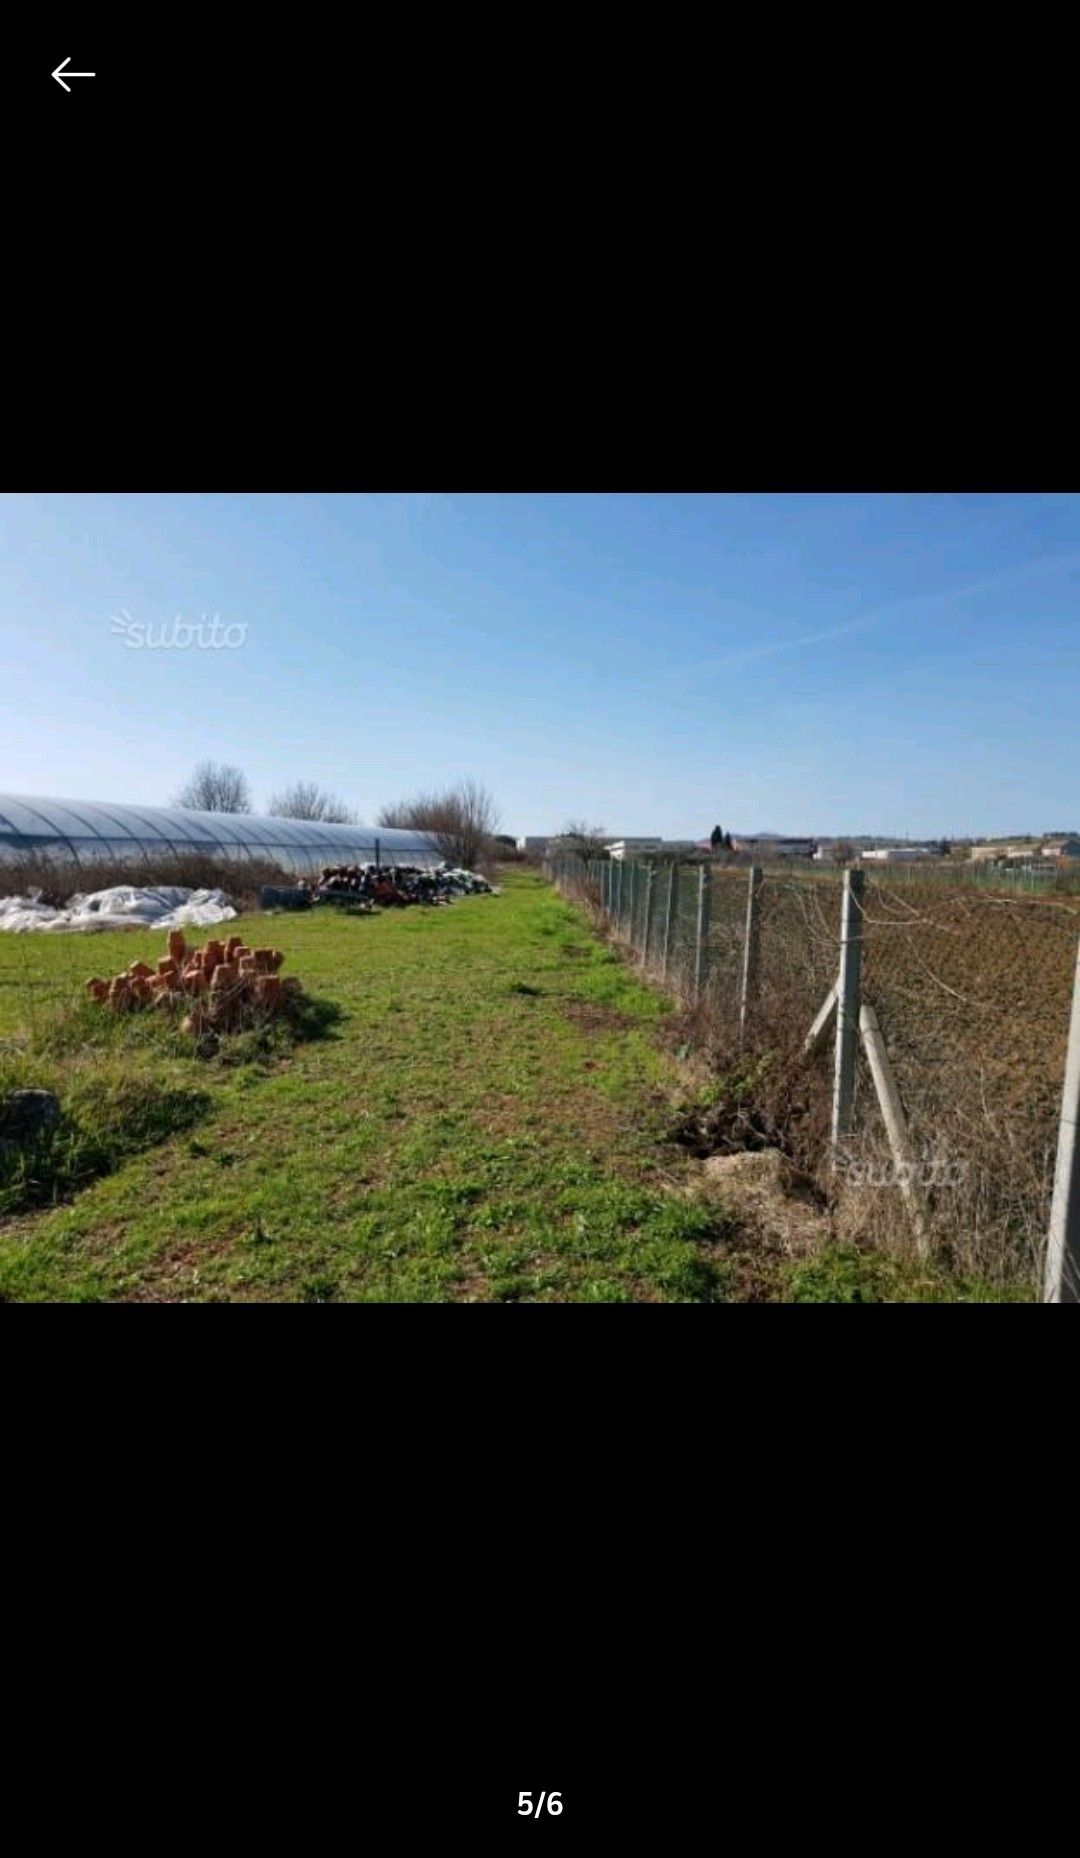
(90, 828)
(125, 906)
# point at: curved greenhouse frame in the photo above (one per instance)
(88, 829)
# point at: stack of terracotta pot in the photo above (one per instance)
(217, 982)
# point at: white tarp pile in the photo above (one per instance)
(126, 906)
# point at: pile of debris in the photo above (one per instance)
(219, 984)
(394, 886)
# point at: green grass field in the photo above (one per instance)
(484, 1117)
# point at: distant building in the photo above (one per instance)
(1009, 853)
(897, 854)
(1062, 848)
(537, 845)
(630, 848)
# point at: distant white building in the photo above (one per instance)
(537, 845)
(897, 854)
(629, 848)
(1061, 848)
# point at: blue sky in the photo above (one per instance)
(796, 663)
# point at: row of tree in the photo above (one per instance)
(461, 819)
(217, 787)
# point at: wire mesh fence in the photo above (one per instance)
(953, 1125)
(972, 993)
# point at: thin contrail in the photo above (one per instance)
(878, 613)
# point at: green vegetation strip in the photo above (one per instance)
(481, 1114)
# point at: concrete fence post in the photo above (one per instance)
(650, 879)
(751, 946)
(669, 910)
(847, 1008)
(702, 937)
(1062, 1280)
(896, 1128)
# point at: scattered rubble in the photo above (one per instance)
(395, 886)
(218, 984)
(125, 906)
(172, 906)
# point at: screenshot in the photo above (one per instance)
(538, 898)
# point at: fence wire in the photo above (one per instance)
(972, 993)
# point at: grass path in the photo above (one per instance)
(484, 1122)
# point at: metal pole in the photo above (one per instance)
(650, 876)
(702, 927)
(376, 854)
(619, 895)
(669, 910)
(847, 1007)
(750, 947)
(1062, 1282)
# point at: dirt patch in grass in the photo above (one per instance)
(593, 1017)
(501, 1116)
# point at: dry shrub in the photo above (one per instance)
(765, 1091)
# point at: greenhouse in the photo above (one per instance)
(85, 830)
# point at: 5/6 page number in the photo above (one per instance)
(549, 1802)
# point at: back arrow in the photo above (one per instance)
(59, 79)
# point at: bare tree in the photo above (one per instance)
(306, 800)
(215, 788)
(398, 814)
(461, 820)
(588, 841)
